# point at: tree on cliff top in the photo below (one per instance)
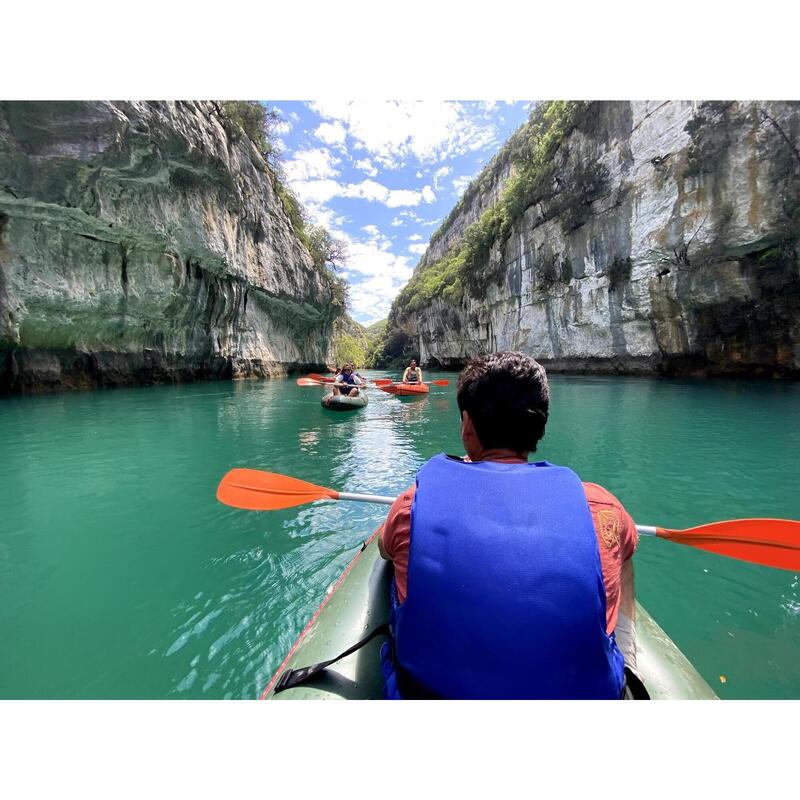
(259, 124)
(325, 249)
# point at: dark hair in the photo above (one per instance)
(507, 398)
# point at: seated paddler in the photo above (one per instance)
(412, 373)
(346, 382)
(512, 578)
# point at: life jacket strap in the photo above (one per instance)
(634, 689)
(411, 689)
(295, 677)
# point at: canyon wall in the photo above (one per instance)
(144, 242)
(665, 241)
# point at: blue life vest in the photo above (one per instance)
(342, 378)
(505, 589)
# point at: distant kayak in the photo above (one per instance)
(405, 389)
(359, 601)
(343, 402)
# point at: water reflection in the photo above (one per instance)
(270, 588)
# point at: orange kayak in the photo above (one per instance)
(406, 389)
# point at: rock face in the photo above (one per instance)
(144, 242)
(686, 262)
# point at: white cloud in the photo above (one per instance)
(365, 165)
(281, 127)
(394, 131)
(415, 238)
(320, 191)
(322, 215)
(412, 215)
(309, 165)
(376, 275)
(419, 174)
(438, 176)
(405, 197)
(397, 222)
(368, 190)
(371, 299)
(419, 249)
(331, 132)
(461, 183)
(295, 116)
(372, 230)
(428, 195)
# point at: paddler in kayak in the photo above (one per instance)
(512, 579)
(346, 382)
(357, 375)
(412, 373)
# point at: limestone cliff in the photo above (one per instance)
(655, 237)
(145, 241)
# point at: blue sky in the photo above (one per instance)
(383, 174)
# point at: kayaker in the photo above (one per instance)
(412, 373)
(357, 375)
(346, 382)
(508, 599)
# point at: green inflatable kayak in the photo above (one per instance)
(343, 402)
(359, 602)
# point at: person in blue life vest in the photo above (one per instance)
(412, 373)
(346, 382)
(357, 375)
(511, 578)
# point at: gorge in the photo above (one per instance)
(145, 242)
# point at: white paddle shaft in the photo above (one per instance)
(643, 530)
(367, 498)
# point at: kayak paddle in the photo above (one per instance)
(389, 382)
(315, 382)
(770, 542)
(256, 490)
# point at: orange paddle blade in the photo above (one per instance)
(308, 382)
(321, 378)
(267, 491)
(439, 383)
(771, 542)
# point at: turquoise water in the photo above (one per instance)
(122, 577)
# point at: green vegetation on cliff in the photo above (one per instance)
(350, 342)
(389, 348)
(538, 178)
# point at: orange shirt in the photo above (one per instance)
(616, 538)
